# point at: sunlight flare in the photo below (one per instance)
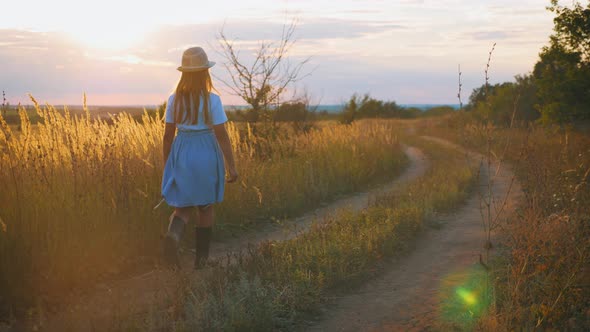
(109, 36)
(468, 297)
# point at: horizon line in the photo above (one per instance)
(228, 105)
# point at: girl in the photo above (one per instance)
(194, 171)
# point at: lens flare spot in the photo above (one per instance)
(464, 298)
(467, 296)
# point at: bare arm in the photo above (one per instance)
(226, 148)
(169, 132)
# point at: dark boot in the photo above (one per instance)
(172, 242)
(203, 241)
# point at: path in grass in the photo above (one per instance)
(355, 202)
(101, 307)
(407, 295)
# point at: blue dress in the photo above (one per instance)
(194, 173)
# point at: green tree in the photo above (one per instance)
(478, 95)
(350, 111)
(563, 71)
(367, 107)
(506, 101)
(371, 108)
(526, 98)
(293, 112)
(438, 111)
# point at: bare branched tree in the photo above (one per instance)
(261, 82)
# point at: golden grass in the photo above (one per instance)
(541, 280)
(77, 198)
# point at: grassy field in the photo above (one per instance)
(542, 277)
(78, 193)
(276, 285)
(77, 209)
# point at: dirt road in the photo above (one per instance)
(407, 296)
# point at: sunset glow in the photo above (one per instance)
(407, 51)
(108, 36)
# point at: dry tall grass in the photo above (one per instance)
(542, 278)
(77, 198)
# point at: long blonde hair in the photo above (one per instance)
(192, 87)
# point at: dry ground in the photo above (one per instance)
(407, 295)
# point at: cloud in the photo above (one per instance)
(49, 65)
(167, 43)
(517, 10)
(311, 29)
(407, 51)
(491, 35)
(136, 60)
(345, 29)
(14, 38)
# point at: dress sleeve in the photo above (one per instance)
(170, 110)
(217, 112)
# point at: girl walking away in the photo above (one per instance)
(194, 174)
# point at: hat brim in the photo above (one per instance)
(191, 69)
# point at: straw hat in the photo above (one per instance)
(195, 59)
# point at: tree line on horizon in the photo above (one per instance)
(557, 91)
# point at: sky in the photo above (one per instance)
(126, 52)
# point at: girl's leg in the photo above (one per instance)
(203, 235)
(205, 216)
(178, 220)
(185, 213)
